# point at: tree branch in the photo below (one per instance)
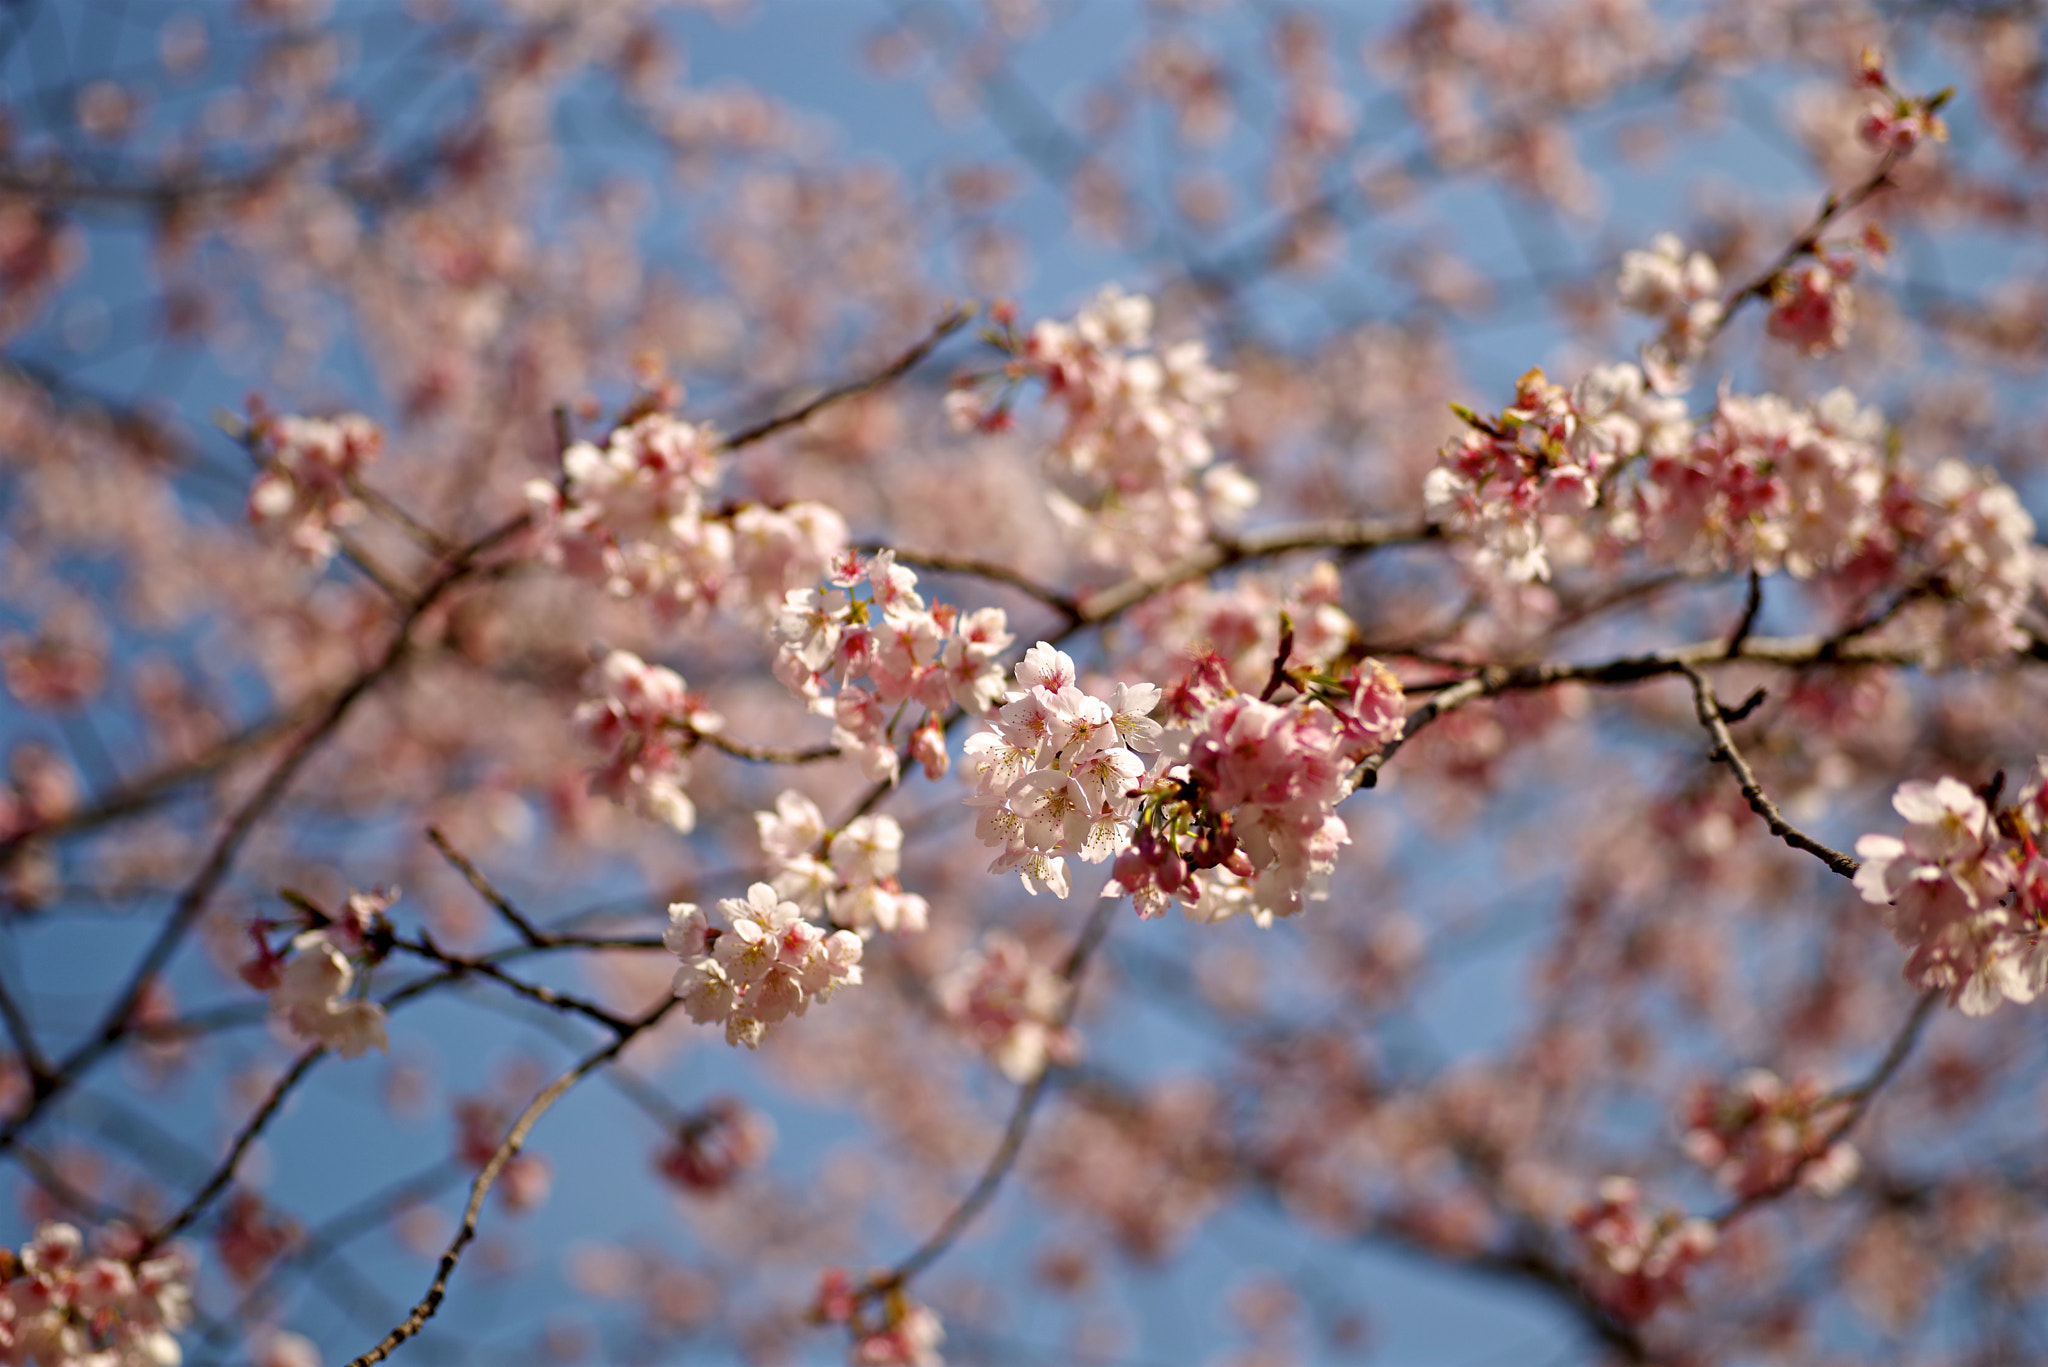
(437, 1290)
(1714, 719)
(954, 320)
(1011, 1147)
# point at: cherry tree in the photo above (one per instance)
(992, 681)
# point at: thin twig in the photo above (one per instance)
(1859, 1099)
(459, 967)
(1347, 537)
(954, 320)
(764, 754)
(437, 1290)
(213, 872)
(1832, 207)
(1752, 605)
(498, 901)
(248, 1134)
(1012, 1144)
(1711, 717)
(23, 1036)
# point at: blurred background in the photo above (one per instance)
(1348, 1138)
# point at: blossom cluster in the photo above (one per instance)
(1812, 305)
(1545, 460)
(1965, 890)
(1010, 1004)
(1056, 772)
(314, 985)
(1681, 290)
(1761, 483)
(645, 721)
(1896, 123)
(305, 489)
(849, 874)
(1977, 553)
(1758, 1134)
(908, 652)
(1139, 482)
(712, 1148)
(766, 964)
(1242, 623)
(117, 1308)
(896, 1332)
(1242, 817)
(636, 515)
(1636, 1262)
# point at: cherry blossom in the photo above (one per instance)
(1945, 886)
(1813, 307)
(763, 966)
(644, 719)
(1181, 573)
(908, 653)
(1136, 477)
(1240, 815)
(716, 1146)
(1680, 289)
(120, 1306)
(636, 515)
(1054, 774)
(849, 874)
(315, 987)
(1637, 1263)
(306, 487)
(1757, 1133)
(1010, 1005)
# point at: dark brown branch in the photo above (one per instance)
(213, 872)
(514, 1140)
(474, 876)
(22, 1034)
(1752, 605)
(1708, 708)
(954, 320)
(460, 967)
(1449, 695)
(248, 1135)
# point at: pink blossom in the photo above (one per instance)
(1136, 477)
(765, 965)
(714, 1147)
(1812, 306)
(1054, 775)
(313, 995)
(1009, 1004)
(1757, 1134)
(1637, 1263)
(1946, 887)
(646, 721)
(1681, 290)
(307, 484)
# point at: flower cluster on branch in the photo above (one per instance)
(1965, 890)
(117, 1307)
